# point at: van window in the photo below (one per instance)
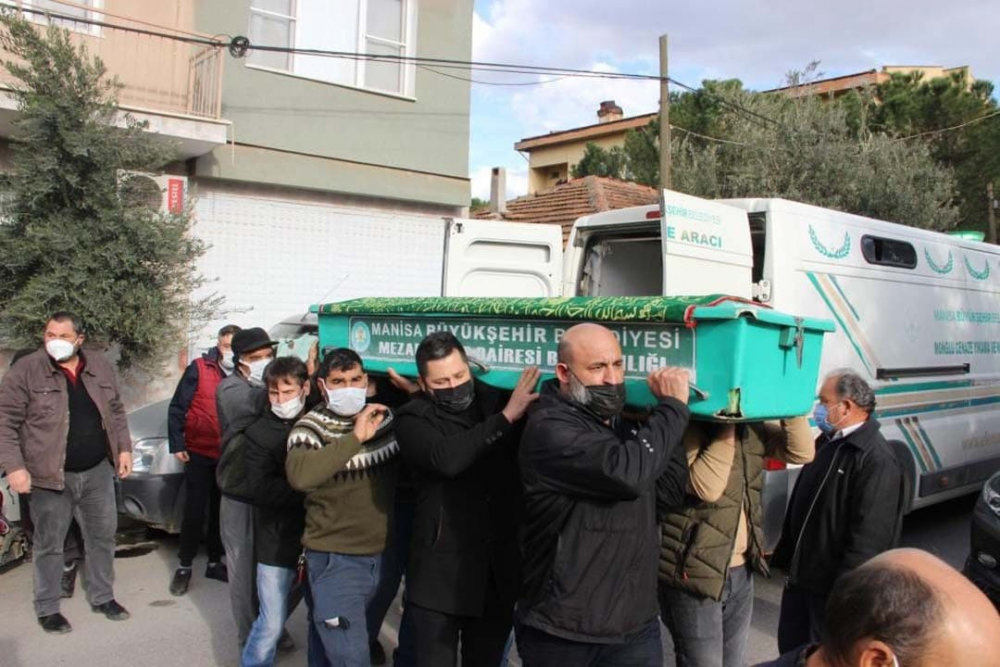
(888, 252)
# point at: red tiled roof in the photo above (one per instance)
(566, 202)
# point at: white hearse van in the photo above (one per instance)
(917, 312)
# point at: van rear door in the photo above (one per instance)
(492, 258)
(706, 247)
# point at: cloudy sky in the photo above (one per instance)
(752, 40)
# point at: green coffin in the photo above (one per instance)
(747, 362)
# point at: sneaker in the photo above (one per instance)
(376, 653)
(179, 584)
(218, 572)
(55, 623)
(68, 583)
(112, 610)
(286, 644)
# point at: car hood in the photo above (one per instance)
(149, 421)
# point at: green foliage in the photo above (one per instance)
(597, 161)
(71, 238)
(816, 151)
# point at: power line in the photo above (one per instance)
(490, 83)
(240, 45)
(991, 114)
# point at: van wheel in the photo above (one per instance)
(909, 468)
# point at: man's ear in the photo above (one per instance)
(562, 373)
(308, 387)
(422, 384)
(873, 653)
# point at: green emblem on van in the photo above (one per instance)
(978, 275)
(840, 253)
(943, 270)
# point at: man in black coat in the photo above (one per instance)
(460, 441)
(279, 512)
(592, 481)
(847, 507)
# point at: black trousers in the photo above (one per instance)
(201, 500)
(436, 635)
(801, 618)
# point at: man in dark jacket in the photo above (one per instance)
(195, 437)
(279, 513)
(847, 506)
(63, 437)
(590, 535)
(241, 399)
(459, 439)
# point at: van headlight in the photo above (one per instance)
(151, 456)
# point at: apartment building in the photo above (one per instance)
(302, 166)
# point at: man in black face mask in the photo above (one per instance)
(592, 482)
(459, 439)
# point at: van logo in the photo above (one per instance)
(840, 253)
(361, 337)
(978, 275)
(937, 268)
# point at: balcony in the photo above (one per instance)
(174, 85)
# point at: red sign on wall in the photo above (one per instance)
(175, 195)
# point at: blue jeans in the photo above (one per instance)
(274, 584)
(710, 633)
(540, 649)
(342, 587)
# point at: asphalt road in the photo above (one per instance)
(197, 630)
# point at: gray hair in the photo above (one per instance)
(851, 386)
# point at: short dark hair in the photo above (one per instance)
(63, 316)
(229, 330)
(339, 359)
(437, 345)
(883, 602)
(286, 368)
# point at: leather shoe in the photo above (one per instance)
(55, 623)
(179, 584)
(218, 572)
(112, 610)
(68, 582)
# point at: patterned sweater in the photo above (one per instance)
(349, 486)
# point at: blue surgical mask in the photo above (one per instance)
(821, 416)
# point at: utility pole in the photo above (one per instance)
(991, 219)
(664, 117)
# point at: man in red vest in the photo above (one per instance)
(195, 438)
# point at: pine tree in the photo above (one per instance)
(74, 234)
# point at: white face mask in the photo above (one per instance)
(346, 402)
(226, 361)
(289, 409)
(256, 368)
(60, 349)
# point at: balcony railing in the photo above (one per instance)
(159, 72)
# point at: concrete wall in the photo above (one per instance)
(296, 131)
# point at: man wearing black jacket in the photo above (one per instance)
(460, 441)
(592, 483)
(847, 507)
(279, 512)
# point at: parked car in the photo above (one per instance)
(154, 493)
(983, 565)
